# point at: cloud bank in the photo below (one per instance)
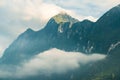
(53, 61)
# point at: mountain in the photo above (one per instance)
(67, 33)
(62, 32)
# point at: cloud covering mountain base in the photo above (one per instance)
(53, 61)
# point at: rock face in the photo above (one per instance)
(66, 33)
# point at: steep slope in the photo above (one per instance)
(106, 30)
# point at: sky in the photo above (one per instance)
(18, 15)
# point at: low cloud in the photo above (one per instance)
(51, 61)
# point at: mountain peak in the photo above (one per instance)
(64, 17)
(29, 30)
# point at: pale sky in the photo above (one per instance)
(18, 15)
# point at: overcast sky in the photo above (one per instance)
(18, 15)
